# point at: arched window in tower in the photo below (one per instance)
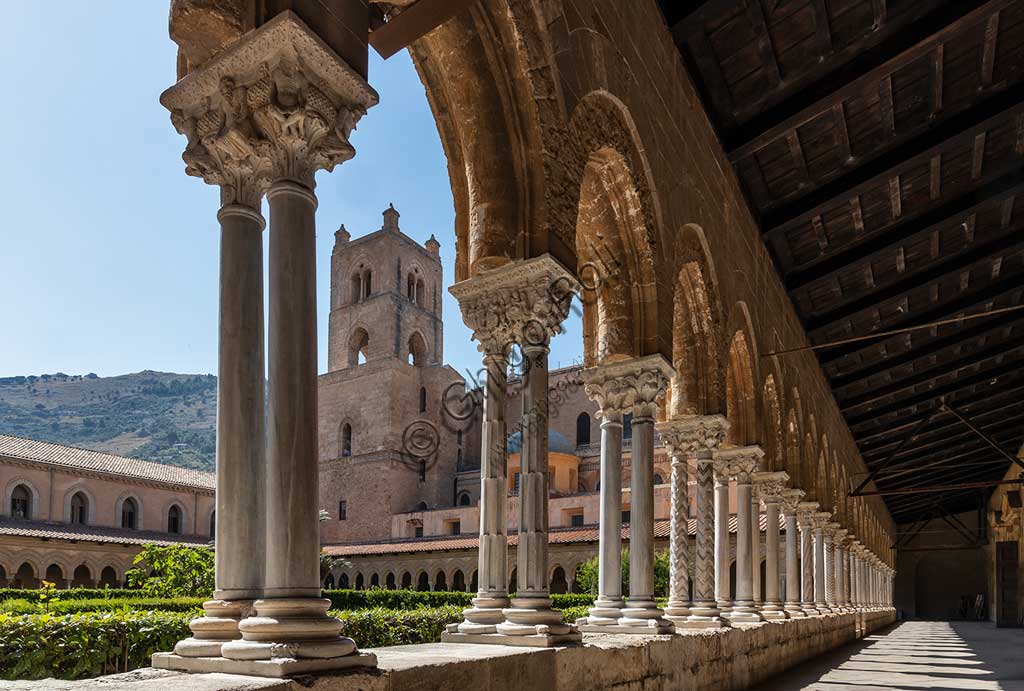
(174, 519)
(417, 350)
(358, 347)
(582, 429)
(464, 499)
(367, 283)
(79, 509)
(421, 292)
(423, 399)
(129, 513)
(21, 502)
(410, 287)
(357, 288)
(346, 439)
(627, 426)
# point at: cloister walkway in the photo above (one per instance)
(917, 655)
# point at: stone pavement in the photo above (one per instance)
(917, 655)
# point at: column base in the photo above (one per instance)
(605, 612)
(290, 628)
(217, 627)
(533, 616)
(704, 615)
(811, 611)
(742, 611)
(484, 616)
(773, 611)
(275, 667)
(651, 627)
(794, 611)
(539, 640)
(677, 610)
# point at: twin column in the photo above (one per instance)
(260, 121)
(520, 303)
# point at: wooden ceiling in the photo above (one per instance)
(881, 145)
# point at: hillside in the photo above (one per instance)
(159, 416)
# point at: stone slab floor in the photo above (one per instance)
(917, 655)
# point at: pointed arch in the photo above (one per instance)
(774, 430)
(417, 350)
(358, 347)
(740, 398)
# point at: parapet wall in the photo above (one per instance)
(734, 658)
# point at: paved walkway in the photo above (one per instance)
(917, 655)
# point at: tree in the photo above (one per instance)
(587, 574)
(173, 571)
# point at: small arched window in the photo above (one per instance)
(367, 283)
(358, 348)
(417, 350)
(421, 292)
(346, 439)
(174, 519)
(423, 399)
(129, 514)
(658, 480)
(357, 288)
(21, 502)
(582, 429)
(79, 509)
(410, 287)
(464, 499)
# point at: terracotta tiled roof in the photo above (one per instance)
(463, 542)
(86, 533)
(83, 459)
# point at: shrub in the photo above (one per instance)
(412, 599)
(587, 573)
(378, 627)
(76, 646)
(62, 606)
(71, 594)
(173, 571)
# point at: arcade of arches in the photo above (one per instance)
(612, 151)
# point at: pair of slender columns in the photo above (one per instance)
(519, 303)
(805, 513)
(737, 464)
(769, 489)
(635, 386)
(791, 499)
(821, 568)
(260, 121)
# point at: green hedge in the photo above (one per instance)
(76, 646)
(412, 599)
(71, 594)
(73, 606)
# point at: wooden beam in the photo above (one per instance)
(822, 31)
(918, 428)
(886, 105)
(988, 53)
(842, 135)
(938, 488)
(935, 180)
(415, 21)
(797, 152)
(880, 11)
(858, 215)
(978, 155)
(988, 440)
(938, 60)
(765, 45)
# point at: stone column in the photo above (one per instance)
(278, 119)
(820, 524)
(739, 463)
(790, 501)
(241, 457)
(613, 397)
(492, 556)
(680, 442)
(707, 433)
(721, 515)
(755, 549)
(769, 488)
(828, 552)
(651, 374)
(838, 542)
(806, 513)
(529, 299)
(852, 556)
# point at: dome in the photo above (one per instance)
(557, 443)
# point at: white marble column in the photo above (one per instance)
(838, 540)
(739, 464)
(680, 443)
(790, 503)
(755, 549)
(821, 521)
(707, 431)
(854, 594)
(613, 399)
(651, 374)
(492, 556)
(722, 560)
(769, 489)
(277, 119)
(806, 513)
(828, 552)
(525, 301)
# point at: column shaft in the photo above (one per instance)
(830, 571)
(704, 611)
(772, 605)
(793, 575)
(607, 607)
(492, 558)
(819, 570)
(743, 608)
(721, 518)
(679, 576)
(807, 567)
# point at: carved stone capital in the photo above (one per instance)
(522, 302)
(691, 433)
(768, 487)
(820, 520)
(791, 499)
(624, 386)
(738, 462)
(805, 512)
(277, 104)
(839, 537)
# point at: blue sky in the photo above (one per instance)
(109, 251)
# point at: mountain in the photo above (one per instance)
(158, 416)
